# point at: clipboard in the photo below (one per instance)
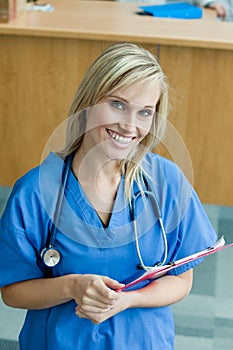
(159, 271)
(179, 10)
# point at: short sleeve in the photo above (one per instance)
(18, 257)
(187, 226)
(26, 221)
(195, 233)
(21, 236)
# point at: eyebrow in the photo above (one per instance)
(126, 101)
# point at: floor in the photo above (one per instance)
(204, 320)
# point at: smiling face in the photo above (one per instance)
(117, 124)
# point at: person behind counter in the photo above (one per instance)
(223, 8)
(117, 117)
(217, 6)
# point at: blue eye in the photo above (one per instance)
(145, 113)
(118, 105)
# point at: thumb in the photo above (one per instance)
(113, 284)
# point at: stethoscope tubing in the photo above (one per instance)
(156, 208)
(60, 198)
(51, 256)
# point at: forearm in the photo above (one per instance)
(164, 291)
(38, 293)
(44, 293)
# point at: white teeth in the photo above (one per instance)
(119, 138)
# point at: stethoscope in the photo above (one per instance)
(50, 254)
(148, 193)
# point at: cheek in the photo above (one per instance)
(99, 116)
(94, 121)
(145, 127)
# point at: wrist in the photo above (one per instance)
(71, 286)
(132, 299)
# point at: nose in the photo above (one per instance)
(128, 122)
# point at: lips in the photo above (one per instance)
(119, 137)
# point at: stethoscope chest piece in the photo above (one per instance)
(50, 257)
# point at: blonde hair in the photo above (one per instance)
(121, 65)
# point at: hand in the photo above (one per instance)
(122, 303)
(94, 294)
(220, 9)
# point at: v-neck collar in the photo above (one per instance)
(78, 219)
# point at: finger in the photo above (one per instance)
(80, 315)
(112, 287)
(113, 284)
(96, 318)
(86, 309)
(98, 303)
(90, 312)
(97, 289)
(96, 294)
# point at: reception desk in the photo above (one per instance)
(44, 56)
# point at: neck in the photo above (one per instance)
(99, 181)
(88, 166)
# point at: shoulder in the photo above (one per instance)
(20, 202)
(30, 183)
(31, 191)
(156, 165)
(168, 183)
(24, 189)
(27, 183)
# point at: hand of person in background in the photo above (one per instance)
(218, 7)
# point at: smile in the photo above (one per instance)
(119, 138)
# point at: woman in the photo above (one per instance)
(109, 180)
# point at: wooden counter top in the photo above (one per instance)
(114, 21)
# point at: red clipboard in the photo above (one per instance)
(158, 271)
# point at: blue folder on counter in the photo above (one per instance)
(181, 10)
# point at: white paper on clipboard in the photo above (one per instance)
(158, 271)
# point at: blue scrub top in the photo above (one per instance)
(88, 247)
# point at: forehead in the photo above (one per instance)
(140, 94)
